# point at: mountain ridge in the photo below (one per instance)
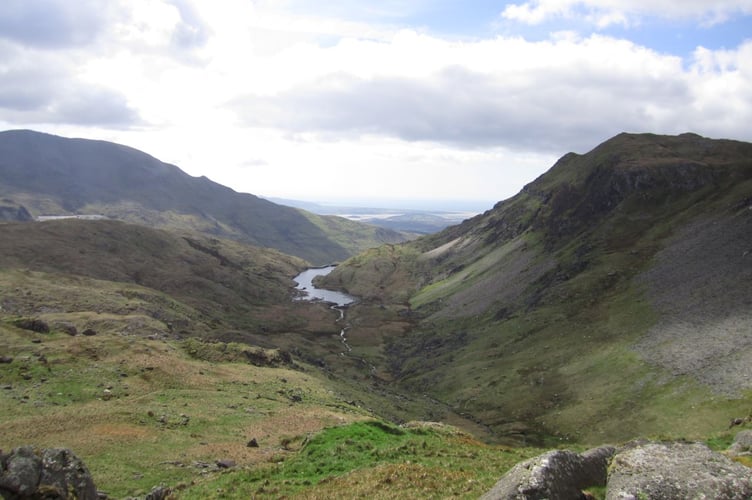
(51, 175)
(528, 311)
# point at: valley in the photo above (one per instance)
(607, 301)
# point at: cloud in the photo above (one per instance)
(173, 28)
(50, 50)
(603, 13)
(38, 87)
(101, 26)
(546, 96)
(259, 90)
(191, 31)
(53, 23)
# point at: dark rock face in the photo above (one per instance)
(34, 325)
(16, 214)
(676, 471)
(21, 471)
(52, 473)
(559, 474)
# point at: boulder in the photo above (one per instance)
(676, 470)
(20, 472)
(158, 493)
(742, 444)
(52, 473)
(559, 474)
(68, 328)
(33, 324)
(227, 463)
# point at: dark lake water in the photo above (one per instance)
(310, 292)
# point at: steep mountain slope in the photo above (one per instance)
(50, 175)
(608, 299)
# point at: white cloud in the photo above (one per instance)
(553, 95)
(278, 102)
(42, 87)
(54, 23)
(603, 13)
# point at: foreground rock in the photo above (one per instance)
(742, 444)
(638, 470)
(676, 471)
(52, 473)
(559, 474)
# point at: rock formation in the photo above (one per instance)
(637, 470)
(675, 471)
(558, 474)
(51, 473)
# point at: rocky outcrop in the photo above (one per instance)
(559, 474)
(51, 473)
(742, 444)
(32, 324)
(15, 213)
(676, 471)
(638, 470)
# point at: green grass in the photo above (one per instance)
(143, 412)
(360, 452)
(563, 369)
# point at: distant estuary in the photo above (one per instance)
(339, 300)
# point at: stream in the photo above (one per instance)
(339, 300)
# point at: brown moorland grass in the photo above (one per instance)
(142, 412)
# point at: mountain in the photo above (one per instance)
(119, 277)
(50, 175)
(608, 299)
(158, 354)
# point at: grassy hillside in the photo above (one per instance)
(607, 300)
(184, 282)
(116, 342)
(143, 413)
(50, 175)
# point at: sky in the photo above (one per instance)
(363, 101)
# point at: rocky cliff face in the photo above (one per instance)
(646, 170)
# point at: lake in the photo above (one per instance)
(310, 292)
